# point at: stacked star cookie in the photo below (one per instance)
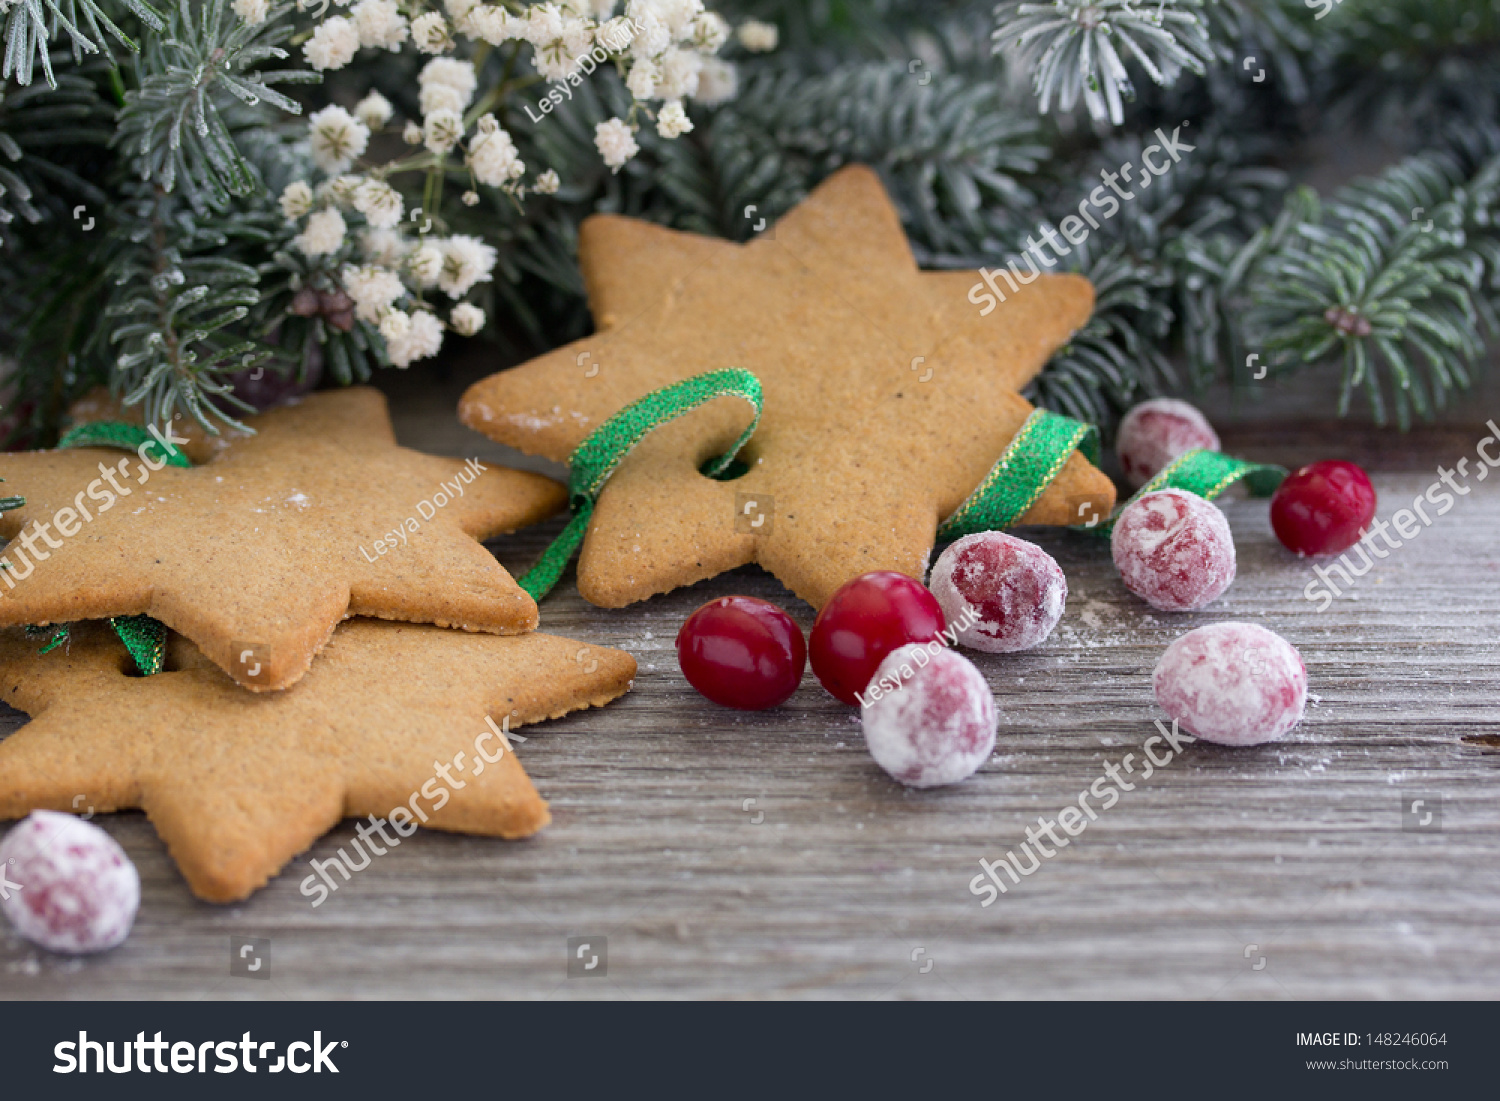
(285, 704)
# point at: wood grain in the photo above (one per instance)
(835, 882)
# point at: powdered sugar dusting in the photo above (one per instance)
(1174, 550)
(1014, 588)
(939, 726)
(76, 890)
(1232, 683)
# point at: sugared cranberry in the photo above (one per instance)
(1174, 550)
(742, 652)
(1011, 593)
(1157, 431)
(863, 622)
(1232, 683)
(931, 716)
(1323, 508)
(76, 889)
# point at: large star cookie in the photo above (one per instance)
(888, 397)
(259, 552)
(393, 715)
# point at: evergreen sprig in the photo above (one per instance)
(176, 127)
(1079, 48)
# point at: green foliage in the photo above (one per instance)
(1079, 48)
(171, 123)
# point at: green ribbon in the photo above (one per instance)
(119, 434)
(1025, 469)
(1208, 474)
(1030, 462)
(594, 460)
(144, 637)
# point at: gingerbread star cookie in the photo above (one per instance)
(888, 396)
(258, 553)
(404, 722)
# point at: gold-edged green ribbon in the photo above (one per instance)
(597, 457)
(1023, 472)
(1208, 474)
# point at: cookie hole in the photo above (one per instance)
(737, 468)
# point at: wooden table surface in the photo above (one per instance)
(725, 854)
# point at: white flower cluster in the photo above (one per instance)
(351, 226)
(666, 48)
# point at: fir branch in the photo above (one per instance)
(177, 126)
(1079, 48)
(30, 26)
(1385, 279)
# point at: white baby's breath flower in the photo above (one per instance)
(324, 233)
(456, 74)
(466, 319)
(650, 34)
(380, 24)
(374, 110)
(429, 33)
(296, 200)
(333, 45)
(496, 25)
(544, 24)
(615, 35)
(441, 97)
(458, 10)
(470, 198)
(547, 183)
(718, 81)
(557, 56)
(616, 142)
(710, 32)
(412, 135)
(336, 137)
(384, 247)
(672, 120)
(441, 131)
(423, 338)
(340, 190)
(380, 203)
(252, 12)
(425, 264)
(679, 73)
(466, 261)
(493, 156)
(675, 15)
(395, 324)
(642, 79)
(757, 37)
(373, 289)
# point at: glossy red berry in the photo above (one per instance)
(863, 622)
(742, 652)
(1323, 508)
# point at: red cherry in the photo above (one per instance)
(1323, 508)
(742, 652)
(863, 622)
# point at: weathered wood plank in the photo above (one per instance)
(836, 882)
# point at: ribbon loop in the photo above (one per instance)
(597, 457)
(1025, 469)
(1208, 474)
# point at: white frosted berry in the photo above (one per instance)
(1009, 591)
(931, 716)
(1174, 550)
(1157, 431)
(74, 889)
(1232, 683)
